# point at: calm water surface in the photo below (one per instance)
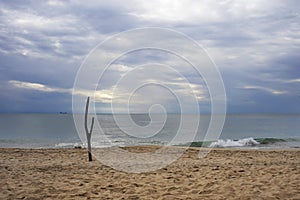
(58, 130)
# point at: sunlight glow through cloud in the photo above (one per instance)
(269, 90)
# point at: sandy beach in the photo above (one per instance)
(222, 174)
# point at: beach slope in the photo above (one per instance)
(222, 174)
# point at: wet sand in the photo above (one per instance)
(222, 174)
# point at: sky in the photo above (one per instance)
(255, 45)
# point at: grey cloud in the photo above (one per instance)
(254, 43)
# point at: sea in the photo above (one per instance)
(59, 131)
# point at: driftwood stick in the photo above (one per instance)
(88, 133)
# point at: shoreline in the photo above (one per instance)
(248, 148)
(223, 174)
(242, 143)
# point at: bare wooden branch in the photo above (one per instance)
(92, 126)
(86, 114)
(88, 133)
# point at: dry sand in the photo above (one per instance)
(222, 174)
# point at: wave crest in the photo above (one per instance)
(245, 142)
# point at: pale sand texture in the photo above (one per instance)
(222, 174)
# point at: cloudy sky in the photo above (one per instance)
(255, 44)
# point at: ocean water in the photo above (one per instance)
(58, 131)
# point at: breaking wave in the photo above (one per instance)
(246, 142)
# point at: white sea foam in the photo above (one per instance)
(68, 145)
(95, 144)
(234, 143)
